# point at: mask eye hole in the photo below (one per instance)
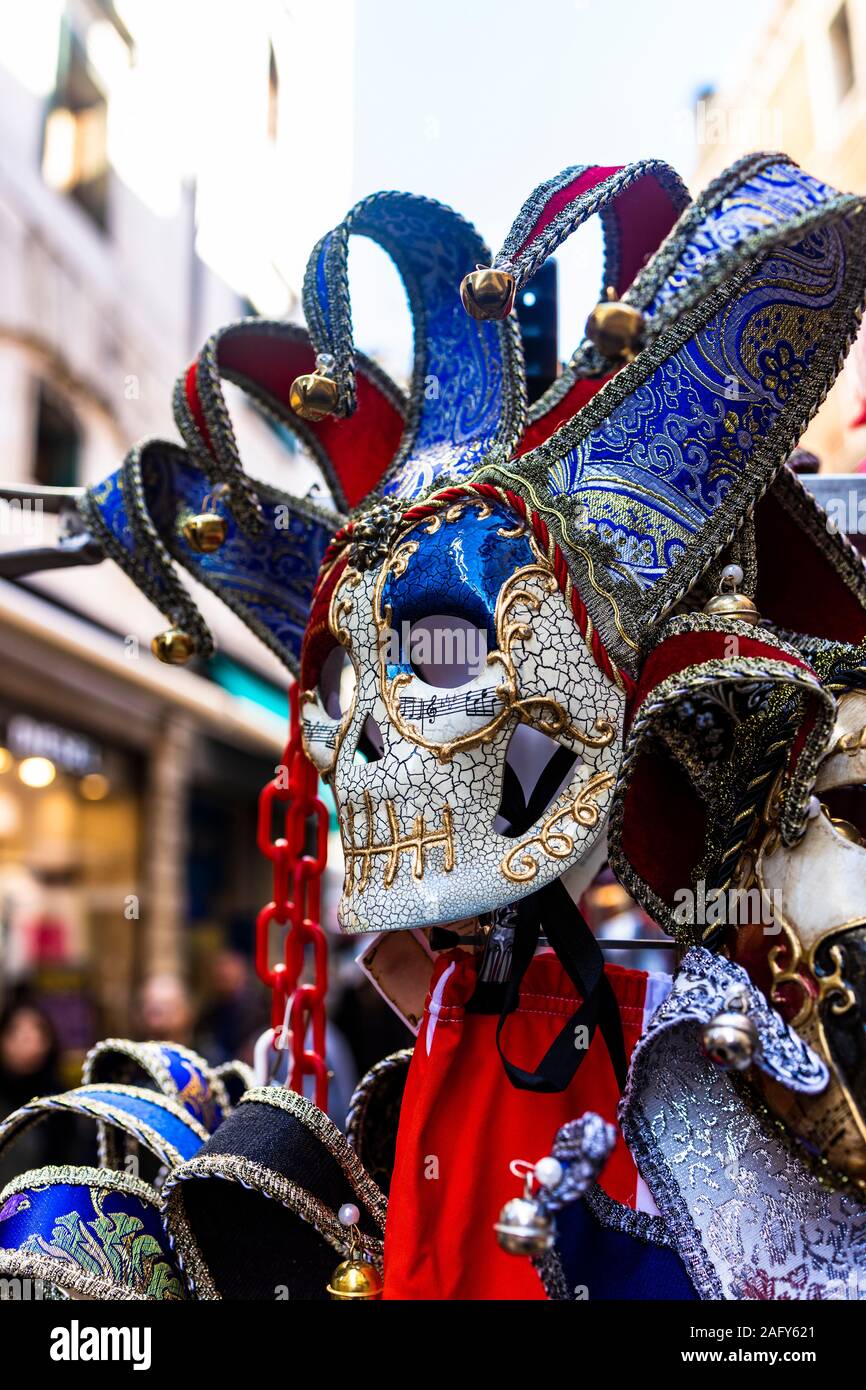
(537, 769)
(446, 651)
(337, 682)
(845, 807)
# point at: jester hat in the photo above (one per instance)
(566, 533)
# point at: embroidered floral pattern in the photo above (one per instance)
(114, 1246)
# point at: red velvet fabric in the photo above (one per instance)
(573, 401)
(361, 446)
(318, 638)
(590, 178)
(663, 848)
(797, 585)
(644, 216)
(462, 1123)
(192, 398)
(664, 824)
(687, 649)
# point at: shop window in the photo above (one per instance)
(842, 52)
(75, 141)
(58, 441)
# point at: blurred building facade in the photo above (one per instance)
(140, 209)
(803, 90)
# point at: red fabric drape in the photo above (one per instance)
(462, 1123)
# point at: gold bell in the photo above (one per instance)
(314, 395)
(728, 602)
(174, 646)
(524, 1228)
(205, 532)
(355, 1278)
(731, 1038)
(616, 329)
(488, 293)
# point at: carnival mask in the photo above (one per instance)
(561, 535)
(817, 963)
(443, 791)
(564, 556)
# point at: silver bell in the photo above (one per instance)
(731, 1041)
(524, 1228)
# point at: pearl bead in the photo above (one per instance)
(734, 574)
(349, 1214)
(548, 1171)
(814, 807)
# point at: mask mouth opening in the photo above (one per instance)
(845, 807)
(537, 769)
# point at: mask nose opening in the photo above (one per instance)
(537, 769)
(371, 744)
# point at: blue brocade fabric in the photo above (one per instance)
(93, 1232)
(656, 469)
(193, 1088)
(461, 376)
(778, 192)
(171, 1125)
(267, 578)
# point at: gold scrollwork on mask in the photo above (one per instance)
(795, 967)
(341, 606)
(542, 711)
(852, 743)
(553, 839)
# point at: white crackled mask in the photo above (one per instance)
(817, 962)
(468, 735)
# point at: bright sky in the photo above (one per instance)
(474, 102)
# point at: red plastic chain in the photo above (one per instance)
(296, 906)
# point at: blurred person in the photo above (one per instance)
(368, 1023)
(165, 1010)
(29, 1067)
(29, 1054)
(238, 1010)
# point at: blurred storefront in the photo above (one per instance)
(129, 231)
(127, 821)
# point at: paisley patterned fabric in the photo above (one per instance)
(776, 191)
(661, 463)
(266, 577)
(653, 477)
(466, 376)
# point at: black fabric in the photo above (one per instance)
(253, 1246)
(374, 1134)
(552, 911)
(515, 810)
